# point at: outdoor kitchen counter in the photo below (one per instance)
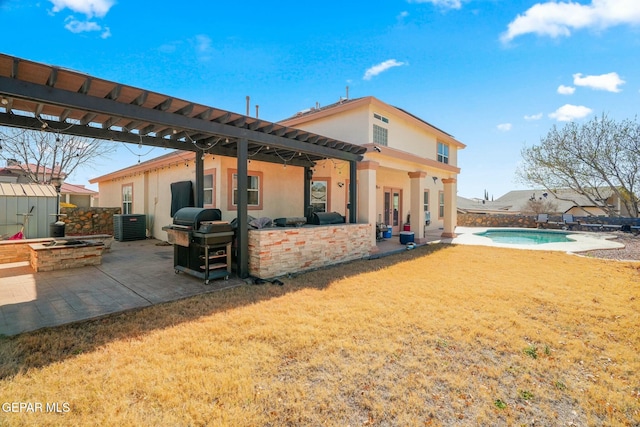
(277, 251)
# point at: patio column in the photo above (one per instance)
(242, 232)
(367, 202)
(417, 205)
(450, 207)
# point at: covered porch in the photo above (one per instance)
(54, 99)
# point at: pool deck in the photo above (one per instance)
(583, 241)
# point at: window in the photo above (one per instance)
(209, 188)
(320, 195)
(254, 190)
(441, 204)
(383, 119)
(443, 153)
(425, 201)
(127, 199)
(380, 135)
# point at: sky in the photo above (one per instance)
(495, 74)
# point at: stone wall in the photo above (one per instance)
(496, 220)
(274, 252)
(86, 221)
(529, 221)
(17, 250)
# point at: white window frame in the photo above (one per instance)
(127, 203)
(380, 135)
(314, 202)
(232, 196)
(211, 190)
(443, 153)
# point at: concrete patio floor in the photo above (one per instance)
(132, 275)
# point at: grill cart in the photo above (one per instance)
(201, 243)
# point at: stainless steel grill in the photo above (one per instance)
(201, 243)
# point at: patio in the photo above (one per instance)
(132, 275)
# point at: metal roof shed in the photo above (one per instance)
(32, 206)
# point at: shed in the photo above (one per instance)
(32, 206)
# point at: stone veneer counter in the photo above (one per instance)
(278, 251)
(60, 257)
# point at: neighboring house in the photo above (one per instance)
(483, 206)
(16, 173)
(410, 167)
(78, 195)
(565, 201)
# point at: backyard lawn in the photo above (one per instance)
(441, 335)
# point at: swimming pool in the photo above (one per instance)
(526, 237)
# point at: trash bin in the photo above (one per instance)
(387, 234)
(56, 229)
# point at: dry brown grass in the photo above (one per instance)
(435, 336)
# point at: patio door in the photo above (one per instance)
(392, 208)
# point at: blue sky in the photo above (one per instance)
(496, 74)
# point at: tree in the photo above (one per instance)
(43, 156)
(540, 205)
(597, 159)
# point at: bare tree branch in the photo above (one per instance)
(44, 155)
(596, 160)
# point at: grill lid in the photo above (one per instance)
(192, 217)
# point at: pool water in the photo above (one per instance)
(525, 237)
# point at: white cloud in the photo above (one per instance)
(504, 127)
(203, 43)
(555, 19)
(402, 15)
(90, 8)
(382, 67)
(76, 26)
(106, 33)
(569, 112)
(447, 4)
(533, 117)
(608, 82)
(566, 90)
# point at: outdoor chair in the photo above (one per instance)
(542, 219)
(569, 221)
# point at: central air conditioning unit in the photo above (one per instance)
(129, 227)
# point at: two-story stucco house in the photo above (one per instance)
(409, 171)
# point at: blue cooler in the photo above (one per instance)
(387, 234)
(406, 237)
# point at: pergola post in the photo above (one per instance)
(353, 192)
(308, 176)
(242, 232)
(199, 196)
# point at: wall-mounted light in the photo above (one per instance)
(435, 178)
(375, 147)
(340, 184)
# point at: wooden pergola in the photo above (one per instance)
(51, 98)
